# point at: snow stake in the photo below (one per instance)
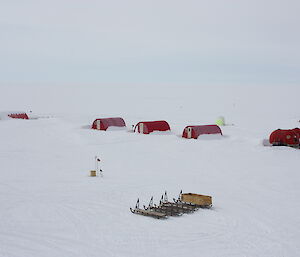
(98, 169)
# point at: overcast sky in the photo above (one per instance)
(153, 41)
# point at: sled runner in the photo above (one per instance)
(146, 212)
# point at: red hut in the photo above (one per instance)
(286, 137)
(297, 131)
(19, 115)
(105, 123)
(196, 131)
(146, 127)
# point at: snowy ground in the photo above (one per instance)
(49, 206)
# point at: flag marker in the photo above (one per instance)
(97, 168)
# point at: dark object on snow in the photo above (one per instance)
(204, 201)
(285, 137)
(151, 213)
(196, 131)
(186, 203)
(105, 123)
(146, 127)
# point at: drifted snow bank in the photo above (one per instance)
(159, 133)
(115, 128)
(211, 137)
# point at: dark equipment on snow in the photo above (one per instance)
(186, 203)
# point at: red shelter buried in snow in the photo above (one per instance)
(285, 137)
(20, 115)
(146, 127)
(105, 123)
(196, 131)
(297, 131)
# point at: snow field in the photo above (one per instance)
(51, 207)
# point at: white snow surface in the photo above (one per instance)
(211, 137)
(116, 128)
(49, 206)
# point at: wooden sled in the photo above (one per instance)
(186, 203)
(148, 212)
